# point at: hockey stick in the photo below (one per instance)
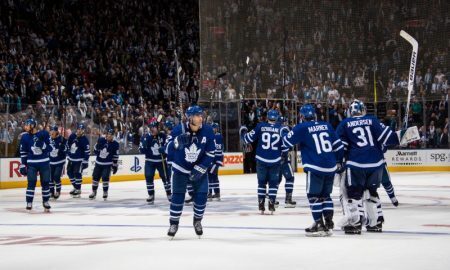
(412, 70)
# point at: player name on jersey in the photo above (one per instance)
(361, 122)
(313, 129)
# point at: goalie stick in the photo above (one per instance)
(412, 69)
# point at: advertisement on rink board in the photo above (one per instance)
(413, 160)
(131, 167)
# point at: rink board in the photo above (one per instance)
(131, 167)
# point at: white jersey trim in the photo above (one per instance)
(57, 162)
(153, 160)
(268, 160)
(38, 160)
(179, 168)
(365, 165)
(320, 169)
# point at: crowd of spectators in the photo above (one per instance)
(328, 52)
(111, 63)
(104, 62)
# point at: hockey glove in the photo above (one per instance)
(162, 150)
(197, 172)
(23, 170)
(182, 140)
(114, 169)
(84, 166)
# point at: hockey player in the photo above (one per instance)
(34, 156)
(78, 156)
(322, 152)
(213, 172)
(152, 145)
(193, 148)
(363, 137)
(57, 161)
(286, 170)
(269, 154)
(106, 151)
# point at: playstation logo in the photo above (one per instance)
(136, 166)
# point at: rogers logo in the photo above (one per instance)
(233, 159)
(14, 169)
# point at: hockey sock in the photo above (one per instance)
(316, 207)
(150, 188)
(190, 189)
(389, 189)
(262, 192)
(105, 185)
(328, 209)
(199, 205)
(289, 185)
(95, 184)
(176, 207)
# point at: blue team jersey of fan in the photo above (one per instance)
(319, 145)
(270, 144)
(364, 139)
(107, 153)
(35, 148)
(58, 150)
(218, 156)
(78, 148)
(152, 143)
(200, 150)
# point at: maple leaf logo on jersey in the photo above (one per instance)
(155, 149)
(191, 153)
(54, 152)
(73, 148)
(104, 153)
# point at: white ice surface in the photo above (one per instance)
(125, 233)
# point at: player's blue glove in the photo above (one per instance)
(182, 140)
(114, 168)
(84, 166)
(23, 170)
(197, 173)
(162, 150)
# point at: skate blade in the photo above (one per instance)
(317, 234)
(289, 206)
(353, 232)
(171, 237)
(46, 210)
(105, 199)
(92, 199)
(261, 212)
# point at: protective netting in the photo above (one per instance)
(322, 50)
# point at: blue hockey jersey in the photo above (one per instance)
(364, 139)
(58, 150)
(218, 157)
(35, 148)
(270, 144)
(150, 145)
(107, 153)
(78, 148)
(201, 150)
(319, 145)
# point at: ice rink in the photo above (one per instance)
(126, 233)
